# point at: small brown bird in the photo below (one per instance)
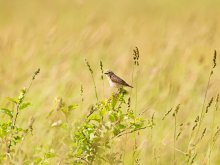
(116, 81)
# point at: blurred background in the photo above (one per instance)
(176, 40)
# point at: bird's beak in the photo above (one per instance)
(106, 73)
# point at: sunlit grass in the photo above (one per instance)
(175, 39)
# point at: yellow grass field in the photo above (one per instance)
(176, 42)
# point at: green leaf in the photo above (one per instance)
(5, 129)
(50, 154)
(13, 100)
(103, 112)
(116, 131)
(121, 126)
(72, 107)
(7, 112)
(95, 117)
(131, 115)
(112, 117)
(16, 139)
(114, 101)
(25, 105)
(138, 125)
(37, 160)
(64, 110)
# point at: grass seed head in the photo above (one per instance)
(197, 119)
(216, 134)
(167, 113)
(81, 93)
(216, 102)
(214, 59)
(89, 67)
(101, 67)
(196, 123)
(194, 127)
(209, 104)
(203, 133)
(136, 56)
(176, 110)
(129, 103)
(36, 73)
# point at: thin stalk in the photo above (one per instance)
(135, 68)
(136, 93)
(212, 131)
(82, 99)
(91, 72)
(96, 94)
(18, 104)
(102, 77)
(174, 143)
(203, 104)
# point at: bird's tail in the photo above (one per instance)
(130, 86)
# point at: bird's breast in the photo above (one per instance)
(113, 84)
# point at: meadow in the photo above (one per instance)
(56, 106)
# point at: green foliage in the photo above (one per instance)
(44, 156)
(7, 112)
(108, 120)
(10, 133)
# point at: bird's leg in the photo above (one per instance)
(116, 92)
(120, 90)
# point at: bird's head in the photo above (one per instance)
(109, 73)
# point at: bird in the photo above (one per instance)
(115, 81)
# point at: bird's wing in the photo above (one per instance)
(118, 80)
